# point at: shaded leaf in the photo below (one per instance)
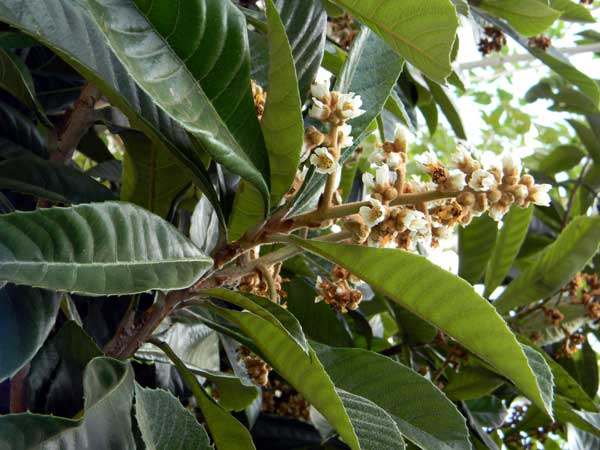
(204, 227)
(528, 17)
(471, 383)
(27, 316)
(475, 246)
(99, 249)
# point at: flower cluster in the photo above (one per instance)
(338, 293)
(260, 99)
(258, 370)
(466, 188)
(335, 109)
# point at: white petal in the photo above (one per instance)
(401, 133)
(394, 160)
(382, 175)
(319, 89)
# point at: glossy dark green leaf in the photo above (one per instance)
(165, 424)
(304, 372)
(555, 265)
(475, 246)
(583, 367)
(418, 285)
(418, 408)
(109, 170)
(56, 182)
(67, 28)
(108, 386)
(98, 249)
(423, 33)
(27, 316)
(510, 238)
(471, 383)
(226, 431)
(55, 378)
(151, 177)
(204, 226)
(528, 17)
(20, 132)
(169, 69)
(488, 411)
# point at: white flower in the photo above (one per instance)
(323, 161)
(511, 163)
(462, 157)
(374, 214)
(394, 160)
(497, 212)
(382, 175)
(368, 180)
(491, 161)
(320, 89)
(319, 110)
(428, 161)
(481, 180)
(414, 220)
(349, 105)
(345, 140)
(539, 194)
(521, 192)
(377, 157)
(401, 134)
(456, 181)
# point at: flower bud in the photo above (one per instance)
(466, 199)
(494, 195)
(527, 180)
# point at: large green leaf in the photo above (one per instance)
(304, 372)
(32, 175)
(570, 10)
(165, 424)
(108, 386)
(514, 229)
(151, 178)
(67, 28)
(442, 97)
(204, 226)
(282, 127)
(27, 316)
(583, 367)
(588, 138)
(471, 383)
(371, 71)
(98, 249)
(422, 32)
(419, 409)
(442, 299)
(20, 134)
(550, 57)
(166, 69)
(475, 246)
(226, 431)
(555, 265)
(528, 17)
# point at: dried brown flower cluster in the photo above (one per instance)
(542, 42)
(493, 42)
(258, 370)
(280, 398)
(338, 293)
(342, 30)
(584, 290)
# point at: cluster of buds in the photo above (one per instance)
(335, 109)
(571, 344)
(493, 42)
(542, 42)
(257, 369)
(472, 187)
(260, 99)
(584, 290)
(257, 283)
(281, 399)
(338, 293)
(553, 316)
(342, 30)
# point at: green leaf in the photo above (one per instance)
(234, 395)
(510, 238)
(56, 182)
(27, 316)
(204, 226)
(165, 424)
(587, 137)
(19, 133)
(542, 372)
(422, 32)
(108, 386)
(282, 127)
(471, 383)
(560, 159)
(420, 410)
(448, 107)
(528, 17)
(555, 265)
(66, 27)
(165, 69)
(97, 249)
(579, 439)
(572, 11)
(374, 427)
(16, 79)
(418, 285)
(226, 431)
(266, 309)
(304, 372)
(318, 320)
(583, 367)
(551, 58)
(475, 246)
(282, 124)
(151, 178)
